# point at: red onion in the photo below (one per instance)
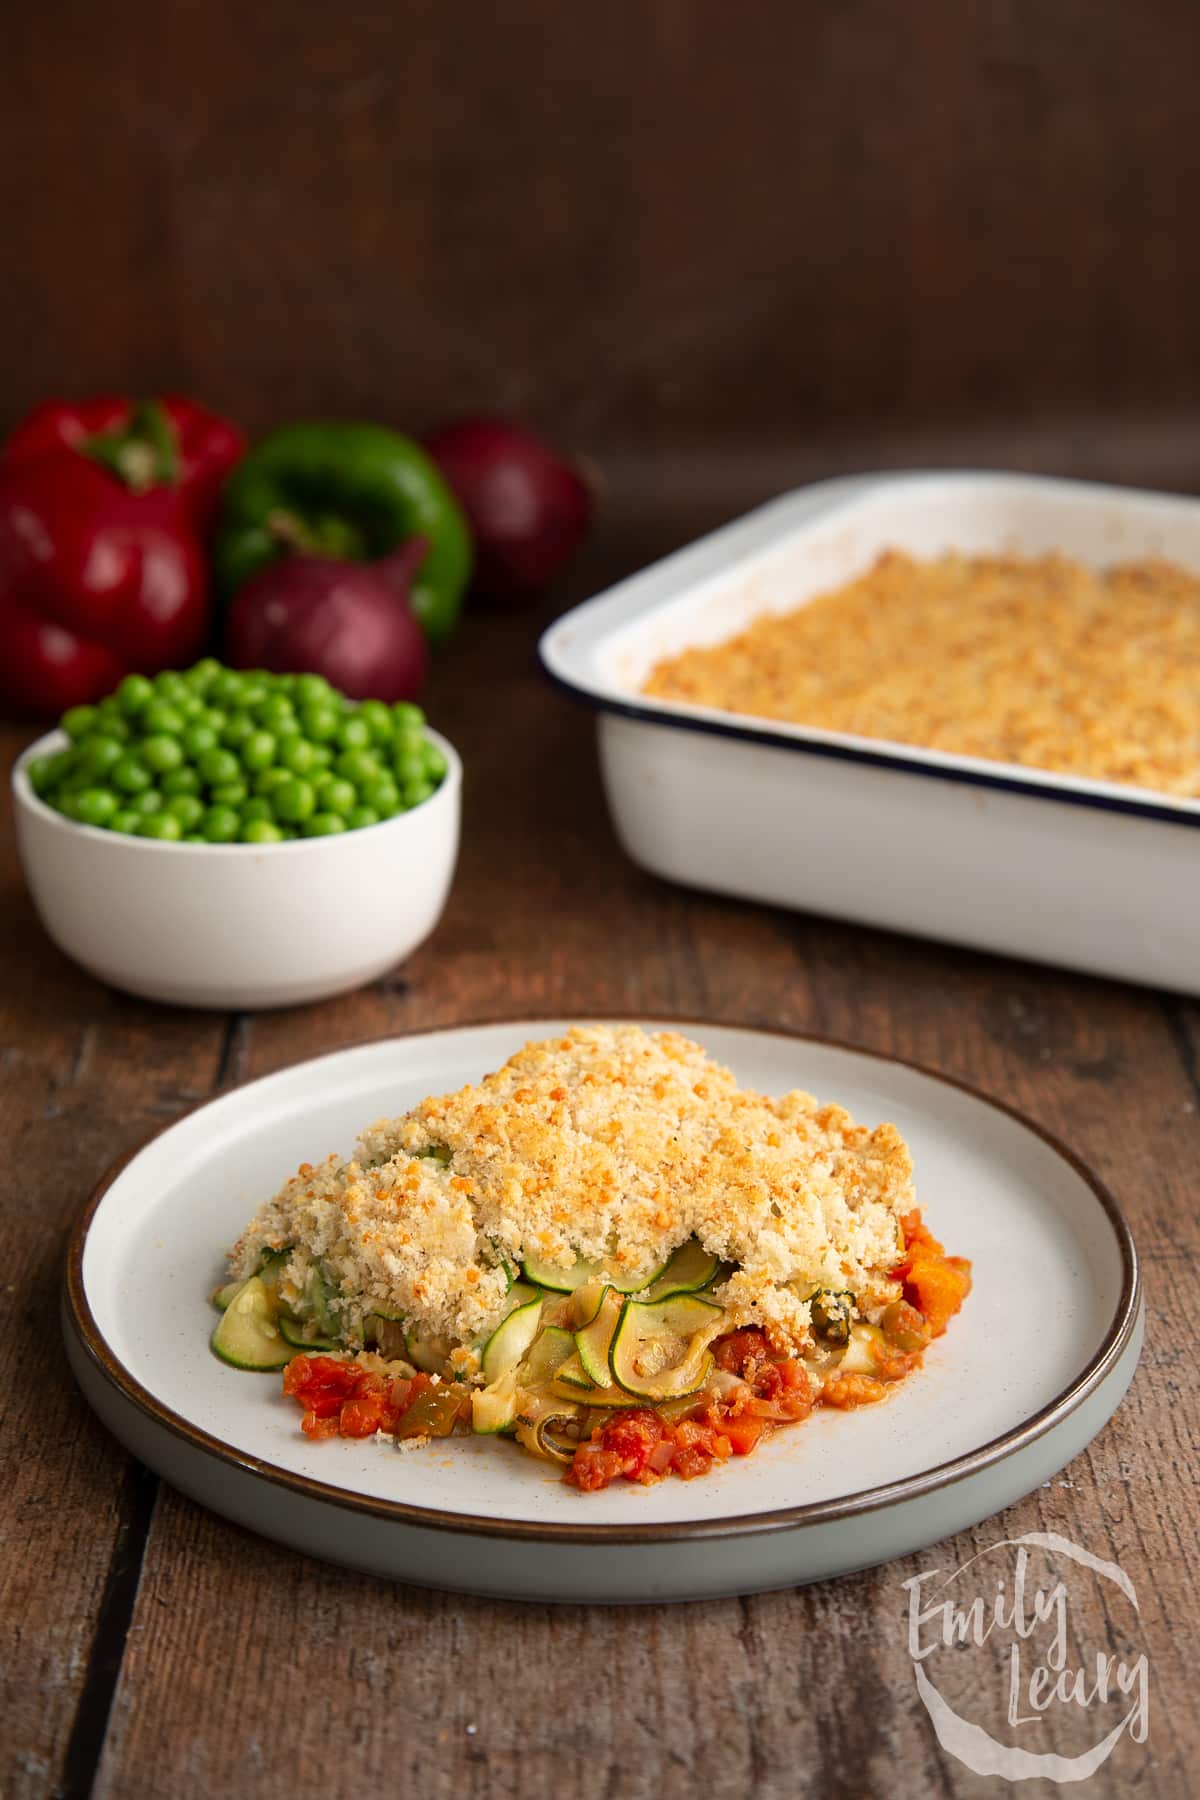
(348, 621)
(527, 507)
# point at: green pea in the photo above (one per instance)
(199, 738)
(189, 809)
(130, 775)
(201, 675)
(100, 754)
(267, 780)
(409, 767)
(96, 806)
(297, 754)
(180, 781)
(407, 716)
(415, 793)
(258, 751)
(113, 725)
(225, 689)
(126, 821)
(46, 772)
(320, 722)
(358, 766)
(322, 756)
(77, 721)
(276, 713)
(354, 733)
(215, 717)
(294, 801)
(161, 717)
(360, 816)
(161, 753)
(260, 831)
(237, 728)
(169, 684)
(218, 766)
(162, 825)
(377, 717)
(150, 801)
(336, 795)
(257, 808)
(134, 694)
(435, 762)
(381, 796)
(324, 824)
(228, 793)
(221, 825)
(313, 690)
(193, 837)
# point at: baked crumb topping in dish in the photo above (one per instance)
(1039, 661)
(607, 1249)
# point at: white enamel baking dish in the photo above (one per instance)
(1086, 874)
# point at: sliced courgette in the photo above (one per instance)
(428, 1350)
(223, 1295)
(510, 1340)
(660, 1348)
(691, 1267)
(550, 1349)
(595, 1339)
(494, 1408)
(572, 1376)
(293, 1332)
(313, 1303)
(564, 1281)
(438, 1153)
(387, 1335)
(247, 1334)
(864, 1352)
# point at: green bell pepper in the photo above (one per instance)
(345, 489)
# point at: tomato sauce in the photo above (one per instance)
(343, 1399)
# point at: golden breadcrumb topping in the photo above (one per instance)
(1041, 661)
(611, 1144)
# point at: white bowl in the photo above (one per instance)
(239, 925)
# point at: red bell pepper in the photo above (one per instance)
(101, 565)
(170, 440)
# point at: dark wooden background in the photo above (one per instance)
(723, 248)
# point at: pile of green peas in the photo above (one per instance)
(211, 755)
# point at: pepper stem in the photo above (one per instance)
(143, 453)
(328, 534)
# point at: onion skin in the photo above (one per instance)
(527, 506)
(348, 621)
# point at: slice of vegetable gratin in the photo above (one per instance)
(606, 1249)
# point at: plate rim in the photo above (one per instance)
(79, 1317)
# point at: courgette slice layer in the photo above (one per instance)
(510, 1340)
(690, 1268)
(564, 1281)
(247, 1334)
(660, 1348)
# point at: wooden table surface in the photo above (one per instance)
(149, 1648)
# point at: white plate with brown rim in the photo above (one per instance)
(1025, 1377)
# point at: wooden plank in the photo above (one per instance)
(238, 1648)
(86, 1075)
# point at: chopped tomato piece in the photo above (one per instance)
(743, 1434)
